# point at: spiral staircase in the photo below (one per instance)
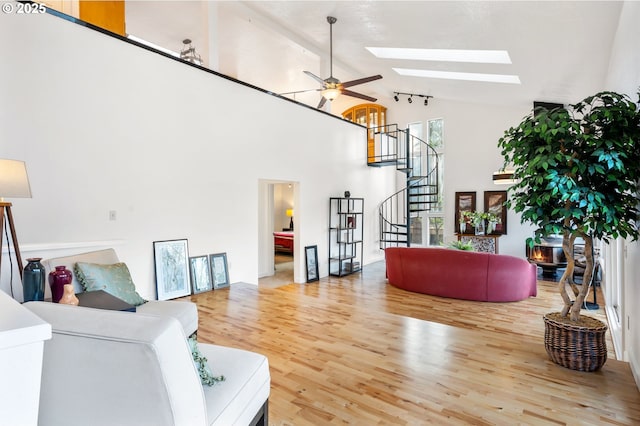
(419, 162)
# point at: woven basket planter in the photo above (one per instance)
(581, 348)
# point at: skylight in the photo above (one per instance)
(469, 76)
(444, 55)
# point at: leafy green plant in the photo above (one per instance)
(461, 245)
(578, 171)
(475, 217)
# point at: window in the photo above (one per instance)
(428, 227)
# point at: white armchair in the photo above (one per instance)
(106, 367)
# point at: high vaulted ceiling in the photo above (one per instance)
(559, 49)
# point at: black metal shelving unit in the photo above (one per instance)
(345, 235)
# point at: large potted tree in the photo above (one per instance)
(577, 170)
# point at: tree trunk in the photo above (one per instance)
(586, 278)
(574, 307)
(567, 278)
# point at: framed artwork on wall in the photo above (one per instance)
(219, 270)
(494, 202)
(171, 260)
(200, 274)
(311, 257)
(465, 202)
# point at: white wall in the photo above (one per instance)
(283, 200)
(175, 151)
(624, 77)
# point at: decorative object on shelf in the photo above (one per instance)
(33, 279)
(396, 97)
(481, 221)
(495, 204)
(58, 278)
(14, 183)
(347, 194)
(219, 270)
(171, 260)
(311, 259)
(188, 53)
(465, 202)
(289, 214)
(69, 296)
(200, 274)
(345, 235)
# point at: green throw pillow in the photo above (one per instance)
(206, 376)
(115, 279)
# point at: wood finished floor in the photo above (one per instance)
(355, 350)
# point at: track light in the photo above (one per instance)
(396, 97)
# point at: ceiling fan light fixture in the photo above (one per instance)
(330, 94)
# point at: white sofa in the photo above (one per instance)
(184, 311)
(106, 367)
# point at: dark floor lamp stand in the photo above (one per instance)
(6, 207)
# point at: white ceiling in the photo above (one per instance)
(559, 49)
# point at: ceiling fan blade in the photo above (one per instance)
(361, 80)
(299, 91)
(315, 77)
(358, 95)
(323, 101)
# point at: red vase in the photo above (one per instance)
(57, 280)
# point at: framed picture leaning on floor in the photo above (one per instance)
(171, 260)
(219, 270)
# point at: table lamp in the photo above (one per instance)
(290, 214)
(14, 183)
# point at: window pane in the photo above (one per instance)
(435, 136)
(436, 230)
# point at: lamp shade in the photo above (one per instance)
(289, 212)
(503, 177)
(14, 182)
(330, 94)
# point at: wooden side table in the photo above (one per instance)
(481, 243)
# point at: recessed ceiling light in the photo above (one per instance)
(445, 55)
(449, 75)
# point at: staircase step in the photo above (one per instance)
(383, 163)
(388, 233)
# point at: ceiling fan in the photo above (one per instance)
(331, 86)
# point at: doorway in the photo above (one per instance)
(277, 254)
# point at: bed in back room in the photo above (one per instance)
(283, 242)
